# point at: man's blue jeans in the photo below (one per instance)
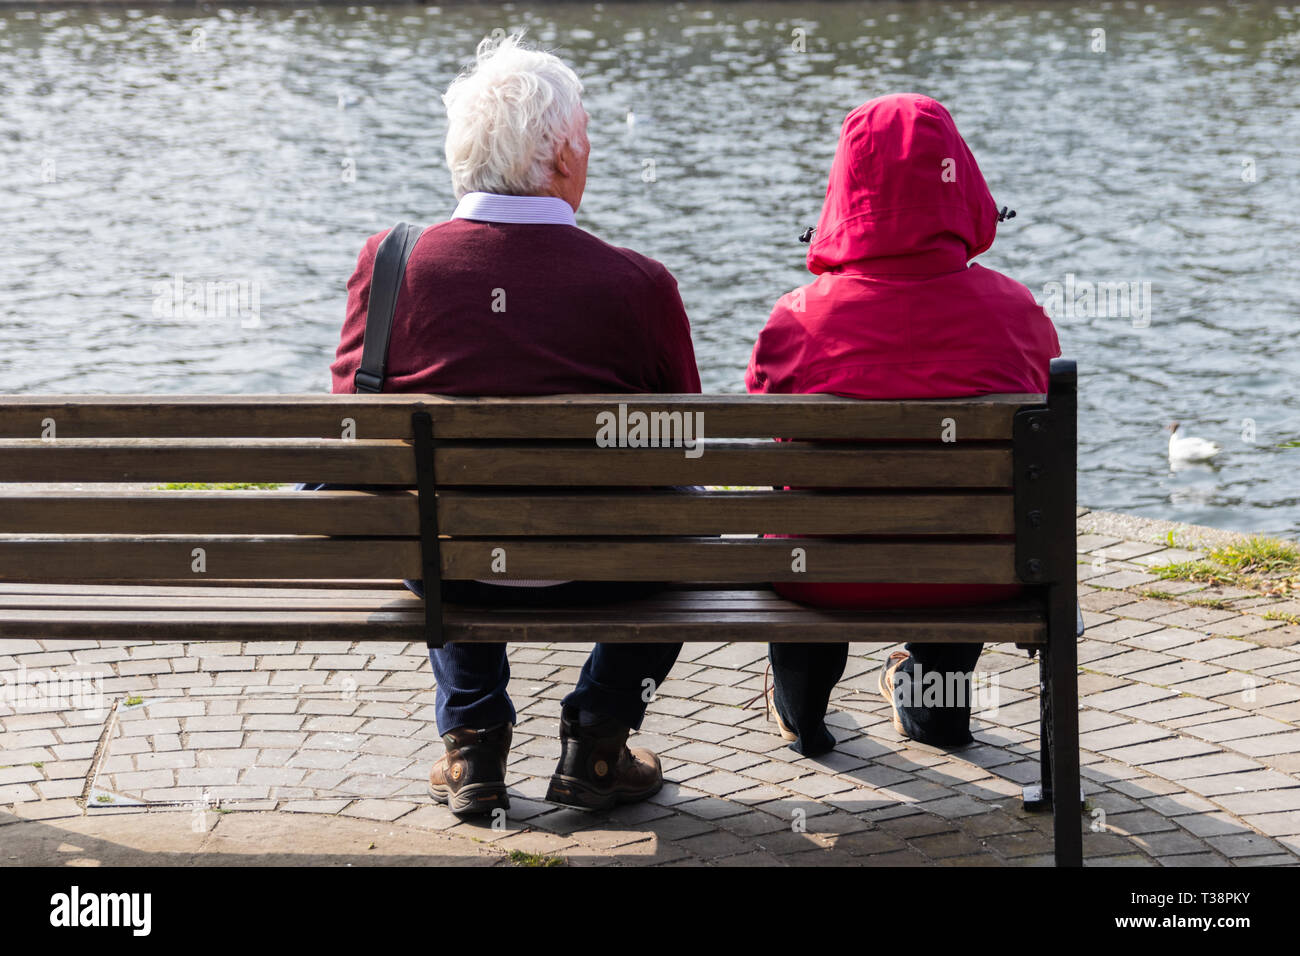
(472, 678)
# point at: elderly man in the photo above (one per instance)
(510, 297)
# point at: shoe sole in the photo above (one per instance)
(473, 799)
(571, 792)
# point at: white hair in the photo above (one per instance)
(507, 116)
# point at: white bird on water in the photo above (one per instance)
(1189, 448)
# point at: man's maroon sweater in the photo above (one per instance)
(524, 309)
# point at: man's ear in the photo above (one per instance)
(563, 157)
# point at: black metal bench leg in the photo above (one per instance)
(1039, 796)
(1061, 746)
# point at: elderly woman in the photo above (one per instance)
(896, 312)
(510, 297)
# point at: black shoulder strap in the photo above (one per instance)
(385, 281)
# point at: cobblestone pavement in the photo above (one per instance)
(318, 752)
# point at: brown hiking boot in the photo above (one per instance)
(597, 770)
(471, 776)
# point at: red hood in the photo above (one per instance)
(905, 194)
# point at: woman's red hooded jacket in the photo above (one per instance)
(896, 311)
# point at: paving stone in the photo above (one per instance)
(1122, 735)
(1197, 860)
(1178, 804)
(1270, 745)
(382, 810)
(1219, 783)
(1243, 844)
(941, 845)
(1269, 801)
(677, 827)
(1275, 824)
(1137, 822)
(1170, 749)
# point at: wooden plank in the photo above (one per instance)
(21, 594)
(374, 514)
(1016, 623)
(173, 557)
(730, 560)
(215, 459)
(251, 599)
(807, 464)
(18, 590)
(396, 513)
(985, 417)
(752, 416)
(722, 512)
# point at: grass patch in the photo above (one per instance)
(1157, 595)
(219, 486)
(520, 858)
(1266, 565)
(1259, 556)
(1217, 604)
(103, 798)
(134, 701)
(1280, 616)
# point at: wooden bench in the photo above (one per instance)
(975, 490)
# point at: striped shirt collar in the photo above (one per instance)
(492, 207)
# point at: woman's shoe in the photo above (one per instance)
(887, 686)
(774, 714)
(769, 706)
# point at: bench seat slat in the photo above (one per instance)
(121, 598)
(670, 617)
(559, 416)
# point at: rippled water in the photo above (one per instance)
(142, 143)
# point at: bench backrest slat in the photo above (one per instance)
(753, 560)
(484, 513)
(983, 418)
(811, 464)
